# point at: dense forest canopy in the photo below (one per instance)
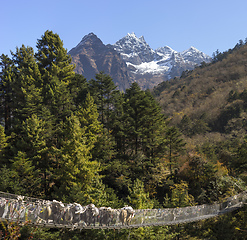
(81, 140)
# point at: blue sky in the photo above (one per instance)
(207, 25)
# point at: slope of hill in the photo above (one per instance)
(211, 98)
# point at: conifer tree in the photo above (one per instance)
(76, 169)
(144, 122)
(36, 135)
(78, 89)
(25, 177)
(102, 89)
(144, 133)
(138, 198)
(6, 92)
(133, 108)
(56, 71)
(175, 145)
(88, 117)
(117, 123)
(26, 85)
(57, 74)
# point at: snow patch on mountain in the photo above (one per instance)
(148, 67)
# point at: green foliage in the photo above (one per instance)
(179, 196)
(76, 169)
(6, 81)
(25, 176)
(13, 231)
(76, 141)
(238, 162)
(190, 128)
(3, 141)
(175, 145)
(57, 72)
(138, 198)
(102, 89)
(78, 88)
(26, 85)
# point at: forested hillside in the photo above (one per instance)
(213, 93)
(80, 140)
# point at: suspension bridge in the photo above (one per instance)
(55, 214)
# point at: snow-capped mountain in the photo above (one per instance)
(132, 59)
(141, 59)
(195, 56)
(134, 50)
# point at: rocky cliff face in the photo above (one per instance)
(131, 59)
(91, 56)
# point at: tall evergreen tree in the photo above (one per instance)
(76, 170)
(102, 89)
(36, 135)
(144, 122)
(144, 132)
(88, 117)
(57, 71)
(78, 89)
(175, 145)
(57, 74)
(26, 85)
(133, 108)
(117, 122)
(6, 92)
(26, 180)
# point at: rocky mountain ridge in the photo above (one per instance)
(132, 59)
(141, 59)
(91, 56)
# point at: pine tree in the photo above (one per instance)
(6, 92)
(88, 117)
(102, 89)
(138, 198)
(144, 133)
(175, 145)
(57, 101)
(25, 176)
(57, 72)
(36, 135)
(76, 170)
(133, 109)
(78, 89)
(154, 127)
(117, 123)
(144, 122)
(26, 85)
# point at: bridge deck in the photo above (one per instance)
(59, 215)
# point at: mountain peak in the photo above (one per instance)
(135, 49)
(131, 35)
(89, 37)
(136, 60)
(88, 40)
(164, 50)
(134, 37)
(194, 55)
